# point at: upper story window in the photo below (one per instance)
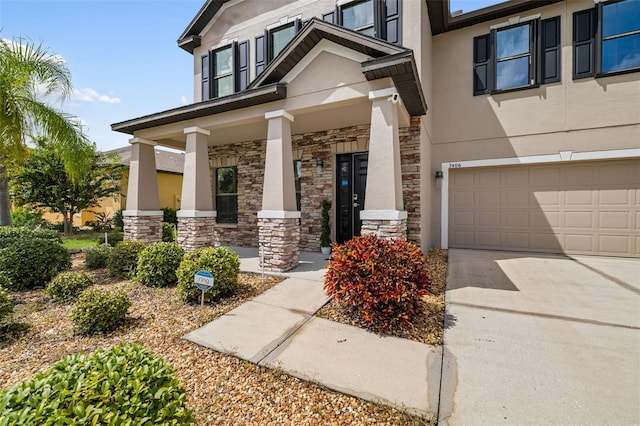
(223, 82)
(225, 70)
(279, 37)
(606, 39)
(620, 35)
(359, 16)
(517, 57)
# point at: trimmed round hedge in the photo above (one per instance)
(97, 257)
(123, 385)
(157, 264)
(98, 311)
(67, 286)
(31, 258)
(222, 262)
(123, 259)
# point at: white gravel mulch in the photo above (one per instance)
(221, 389)
(427, 327)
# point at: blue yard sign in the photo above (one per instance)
(203, 280)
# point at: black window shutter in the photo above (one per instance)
(242, 65)
(551, 50)
(206, 90)
(339, 15)
(329, 17)
(298, 25)
(481, 64)
(261, 54)
(393, 22)
(378, 19)
(583, 43)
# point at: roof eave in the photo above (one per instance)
(261, 95)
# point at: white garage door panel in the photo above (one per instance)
(586, 208)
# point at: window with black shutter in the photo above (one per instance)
(242, 66)
(519, 56)
(261, 54)
(583, 43)
(229, 70)
(375, 18)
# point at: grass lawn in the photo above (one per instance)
(79, 243)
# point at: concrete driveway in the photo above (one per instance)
(541, 339)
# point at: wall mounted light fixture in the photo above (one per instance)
(439, 177)
(319, 166)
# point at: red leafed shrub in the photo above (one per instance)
(382, 280)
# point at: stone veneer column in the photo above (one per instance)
(384, 213)
(143, 217)
(278, 221)
(196, 217)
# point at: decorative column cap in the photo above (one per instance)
(277, 114)
(196, 129)
(142, 213)
(278, 214)
(383, 214)
(196, 213)
(142, 141)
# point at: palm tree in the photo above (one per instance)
(29, 72)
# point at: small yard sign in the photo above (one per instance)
(204, 281)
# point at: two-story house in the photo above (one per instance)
(513, 127)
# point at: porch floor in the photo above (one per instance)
(278, 329)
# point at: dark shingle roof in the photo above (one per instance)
(166, 161)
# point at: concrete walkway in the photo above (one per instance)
(278, 329)
(541, 339)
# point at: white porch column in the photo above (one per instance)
(143, 217)
(384, 213)
(279, 231)
(196, 217)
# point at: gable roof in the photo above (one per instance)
(166, 161)
(388, 60)
(190, 37)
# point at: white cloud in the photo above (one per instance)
(90, 95)
(183, 100)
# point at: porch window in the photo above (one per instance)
(227, 194)
(297, 174)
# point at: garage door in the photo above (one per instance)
(579, 208)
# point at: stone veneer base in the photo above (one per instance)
(143, 228)
(280, 243)
(385, 229)
(196, 232)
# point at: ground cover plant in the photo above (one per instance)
(221, 389)
(123, 385)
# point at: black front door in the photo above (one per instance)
(351, 184)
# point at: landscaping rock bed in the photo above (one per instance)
(428, 327)
(221, 389)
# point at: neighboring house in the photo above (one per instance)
(514, 127)
(169, 167)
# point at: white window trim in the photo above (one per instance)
(560, 157)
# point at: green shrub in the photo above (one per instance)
(117, 219)
(98, 311)
(31, 257)
(170, 215)
(222, 262)
(123, 259)
(157, 264)
(168, 232)
(113, 238)
(26, 218)
(384, 281)
(96, 257)
(6, 305)
(123, 385)
(67, 286)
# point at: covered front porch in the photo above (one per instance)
(259, 163)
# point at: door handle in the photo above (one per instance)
(356, 205)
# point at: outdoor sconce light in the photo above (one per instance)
(319, 166)
(439, 177)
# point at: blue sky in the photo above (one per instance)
(122, 54)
